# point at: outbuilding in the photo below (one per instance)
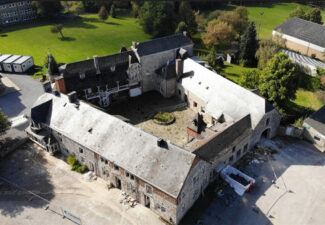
(7, 64)
(2, 59)
(23, 64)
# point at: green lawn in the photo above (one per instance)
(274, 15)
(233, 71)
(308, 99)
(85, 38)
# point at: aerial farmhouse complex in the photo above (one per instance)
(96, 110)
(12, 12)
(302, 36)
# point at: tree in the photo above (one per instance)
(181, 27)
(248, 46)
(113, 11)
(314, 15)
(250, 79)
(299, 12)
(78, 8)
(158, 18)
(267, 49)
(238, 19)
(186, 14)
(5, 123)
(48, 9)
(200, 20)
(218, 33)
(278, 81)
(57, 28)
(103, 14)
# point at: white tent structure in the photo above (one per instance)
(23, 64)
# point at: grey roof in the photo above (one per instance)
(221, 95)
(317, 120)
(304, 59)
(12, 59)
(163, 44)
(4, 57)
(22, 59)
(3, 2)
(304, 30)
(121, 143)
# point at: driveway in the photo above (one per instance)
(289, 190)
(20, 102)
(32, 169)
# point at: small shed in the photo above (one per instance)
(23, 64)
(7, 64)
(2, 59)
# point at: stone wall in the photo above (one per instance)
(196, 182)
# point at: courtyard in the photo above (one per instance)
(32, 169)
(289, 190)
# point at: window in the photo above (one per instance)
(127, 174)
(179, 93)
(81, 150)
(233, 149)
(101, 159)
(82, 159)
(231, 158)
(203, 109)
(131, 177)
(245, 147)
(194, 104)
(106, 162)
(163, 209)
(148, 189)
(116, 167)
(317, 138)
(82, 76)
(267, 121)
(112, 68)
(238, 153)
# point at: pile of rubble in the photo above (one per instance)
(127, 200)
(259, 154)
(90, 176)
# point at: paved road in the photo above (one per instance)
(20, 102)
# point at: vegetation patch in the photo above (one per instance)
(164, 118)
(76, 165)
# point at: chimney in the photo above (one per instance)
(72, 97)
(179, 68)
(47, 86)
(96, 64)
(60, 85)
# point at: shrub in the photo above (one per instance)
(299, 122)
(308, 82)
(164, 117)
(72, 160)
(82, 169)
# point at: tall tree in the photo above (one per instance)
(315, 15)
(113, 11)
(57, 28)
(299, 12)
(278, 81)
(248, 46)
(217, 33)
(186, 14)
(238, 19)
(5, 123)
(103, 14)
(158, 18)
(48, 9)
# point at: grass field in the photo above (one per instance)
(308, 99)
(84, 37)
(274, 15)
(233, 72)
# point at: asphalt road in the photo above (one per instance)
(20, 102)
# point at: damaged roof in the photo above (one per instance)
(121, 143)
(222, 95)
(317, 120)
(163, 44)
(304, 30)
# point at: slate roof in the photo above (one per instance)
(121, 143)
(222, 95)
(304, 30)
(3, 2)
(119, 61)
(163, 44)
(317, 120)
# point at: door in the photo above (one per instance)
(146, 201)
(118, 183)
